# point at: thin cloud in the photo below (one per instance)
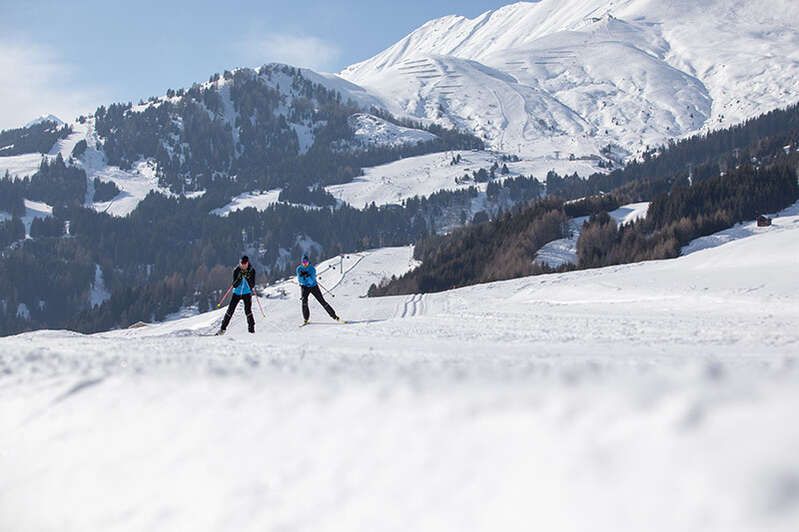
(296, 50)
(39, 82)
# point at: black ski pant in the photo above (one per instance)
(308, 290)
(234, 301)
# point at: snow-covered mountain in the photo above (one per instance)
(576, 75)
(543, 80)
(45, 118)
(244, 125)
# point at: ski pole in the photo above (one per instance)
(257, 299)
(226, 293)
(331, 294)
(224, 296)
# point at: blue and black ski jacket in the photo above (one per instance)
(243, 282)
(306, 275)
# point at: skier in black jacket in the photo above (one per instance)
(243, 289)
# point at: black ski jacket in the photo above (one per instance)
(239, 276)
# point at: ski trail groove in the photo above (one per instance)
(77, 388)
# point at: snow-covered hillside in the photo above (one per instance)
(134, 184)
(786, 219)
(141, 176)
(564, 250)
(373, 131)
(45, 118)
(423, 175)
(657, 396)
(426, 174)
(257, 200)
(33, 210)
(576, 75)
(19, 166)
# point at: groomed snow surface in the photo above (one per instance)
(658, 396)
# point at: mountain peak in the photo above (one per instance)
(579, 75)
(45, 118)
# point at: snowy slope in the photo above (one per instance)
(657, 396)
(564, 250)
(45, 118)
(141, 179)
(786, 219)
(370, 130)
(33, 210)
(424, 175)
(257, 200)
(19, 166)
(27, 164)
(134, 184)
(584, 73)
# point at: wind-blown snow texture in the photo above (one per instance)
(577, 75)
(658, 396)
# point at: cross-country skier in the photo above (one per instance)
(243, 287)
(306, 276)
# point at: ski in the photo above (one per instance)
(338, 322)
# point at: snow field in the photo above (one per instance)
(427, 174)
(258, 200)
(653, 396)
(371, 130)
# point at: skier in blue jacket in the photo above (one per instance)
(306, 276)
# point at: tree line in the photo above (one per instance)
(36, 138)
(687, 213)
(685, 204)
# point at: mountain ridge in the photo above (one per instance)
(640, 72)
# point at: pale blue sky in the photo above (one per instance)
(66, 57)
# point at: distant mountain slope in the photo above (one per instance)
(577, 75)
(698, 187)
(243, 130)
(260, 128)
(45, 118)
